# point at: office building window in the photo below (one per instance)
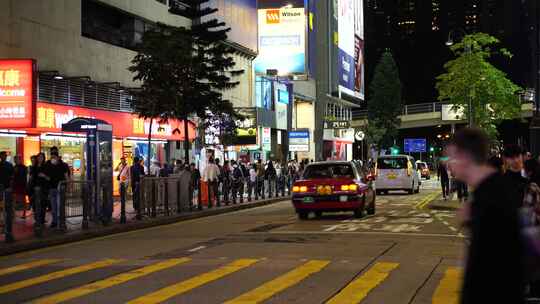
(111, 25)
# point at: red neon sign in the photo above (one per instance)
(17, 93)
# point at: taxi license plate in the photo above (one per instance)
(391, 176)
(308, 200)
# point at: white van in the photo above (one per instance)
(397, 172)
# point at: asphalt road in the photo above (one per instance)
(402, 254)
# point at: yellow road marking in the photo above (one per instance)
(109, 282)
(448, 290)
(358, 289)
(56, 275)
(189, 284)
(428, 199)
(281, 283)
(27, 266)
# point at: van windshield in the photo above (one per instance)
(329, 171)
(392, 163)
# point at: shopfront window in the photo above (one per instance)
(9, 145)
(71, 151)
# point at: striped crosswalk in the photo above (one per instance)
(373, 277)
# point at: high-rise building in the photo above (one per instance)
(416, 31)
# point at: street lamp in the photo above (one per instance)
(468, 51)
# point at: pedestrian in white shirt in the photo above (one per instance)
(210, 175)
(252, 182)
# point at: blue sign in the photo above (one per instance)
(299, 141)
(415, 145)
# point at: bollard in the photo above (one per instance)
(178, 196)
(38, 212)
(61, 198)
(199, 196)
(137, 200)
(86, 198)
(8, 209)
(123, 192)
(153, 189)
(166, 198)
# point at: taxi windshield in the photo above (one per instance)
(329, 171)
(392, 163)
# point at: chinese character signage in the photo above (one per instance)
(17, 93)
(51, 117)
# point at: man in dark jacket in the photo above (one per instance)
(6, 180)
(442, 174)
(495, 239)
(55, 171)
(513, 161)
(135, 173)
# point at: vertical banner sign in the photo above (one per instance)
(17, 93)
(267, 139)
(351, 47)
(282, 100)
(282, 41)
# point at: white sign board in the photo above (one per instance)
(450, 114)
(282, 41)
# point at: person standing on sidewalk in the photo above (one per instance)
(20, 184)
(252, 183)
(210, 175)
(442, 175)
(54, 172)
(225, 178)
(495, 236)
(238, 183)
(270, 176)
(123, 179)
(260, 179)
(135, 173)
(513, 161)
(6, 183)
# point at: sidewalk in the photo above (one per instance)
(25, 239)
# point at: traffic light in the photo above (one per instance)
(394, 150)
(431, 149)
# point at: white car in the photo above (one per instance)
(397, 172)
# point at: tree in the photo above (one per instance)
(185, 70)
(384, 103)
(471, 80)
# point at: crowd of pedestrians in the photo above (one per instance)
(38, 182)
(233, 181)
(502, 217)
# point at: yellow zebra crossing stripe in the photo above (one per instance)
(189, 284)
(448, 290)
(57, 275)
(358, 289)
(109, 282)
(281, 283)
(29, 265)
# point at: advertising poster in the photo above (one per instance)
(17, 93)
(263, 93)
(282, 96)
(282, 41)
(351, 47)
(267, 139)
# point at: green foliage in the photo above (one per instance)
(384, 103)
(184, 70)
(470, 77)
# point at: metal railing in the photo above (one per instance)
(408, 109)
(165, 195)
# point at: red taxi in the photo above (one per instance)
(331, 187)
